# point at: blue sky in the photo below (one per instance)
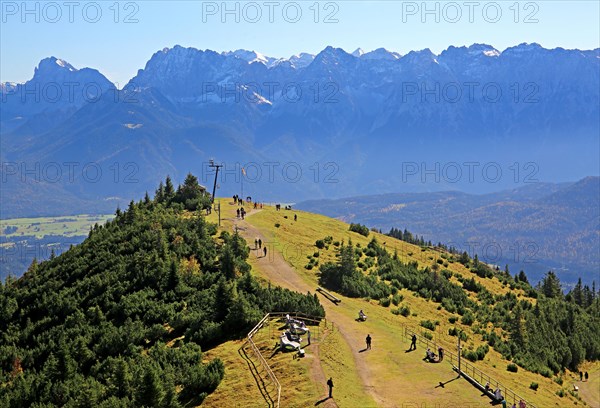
(118, 38)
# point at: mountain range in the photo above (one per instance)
(312, 126)
(534, 228)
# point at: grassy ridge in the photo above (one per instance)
(296, 241)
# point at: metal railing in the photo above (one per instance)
(266, 320)
(467, 369)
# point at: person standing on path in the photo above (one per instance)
(368, 342)
(330, 385)
(255, 243)
(308, 334)
(586, 376)
(580, 376)
(259, 243)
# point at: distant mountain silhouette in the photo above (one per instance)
(350, 123)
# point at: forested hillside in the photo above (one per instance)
(121, 319)
(539, 328)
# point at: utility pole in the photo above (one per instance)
(218, 210)
(217, 167)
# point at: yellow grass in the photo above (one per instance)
(295, 240)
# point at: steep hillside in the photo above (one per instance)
(534, 228)
(122, 319)
(490, 306)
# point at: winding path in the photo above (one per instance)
(278, 271)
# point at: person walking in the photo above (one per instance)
(295, 217)
(255, 243)
(368, 342)
(586, 376)
(330, 385)
(580, 376)
(413, 343)
(308, 334)
(259, 243)
(238, 212)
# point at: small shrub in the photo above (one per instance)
(534, 386)
(410, 253)
(428, 324)
(316, 254)
(309, 266)
(428, 335)
(470, 355)
(385, 302)
(404, 310)
(440, 261)
(397, 298)
(560, 393)
(452, 319)
(360, 229)
(336, 243)
(320, 243)
(277, 225)
(558, 380)
(467, 318)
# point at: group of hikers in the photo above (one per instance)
(258, 244)
(582, 375)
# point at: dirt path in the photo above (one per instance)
(281, 273)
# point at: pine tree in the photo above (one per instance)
(159, 195)
(123, 378)
(169, 190)
(150, 392)
(550, 285)
(523, 277)
(577, 293)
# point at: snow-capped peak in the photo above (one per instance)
(251, 57)
(381, 54)
(358, 52)
(491, 53)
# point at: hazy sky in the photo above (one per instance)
(118, 38)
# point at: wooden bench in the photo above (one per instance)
(329, 295)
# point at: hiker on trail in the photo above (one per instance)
(368, 342)
(440, 354)
(265, 251)
(238, 212)
(586, 376)
(255, 243)
(580, 376)
(259, 243)
(308, 334)
(522, 404)
(295, 217)
(413, 343)
(330, 385)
